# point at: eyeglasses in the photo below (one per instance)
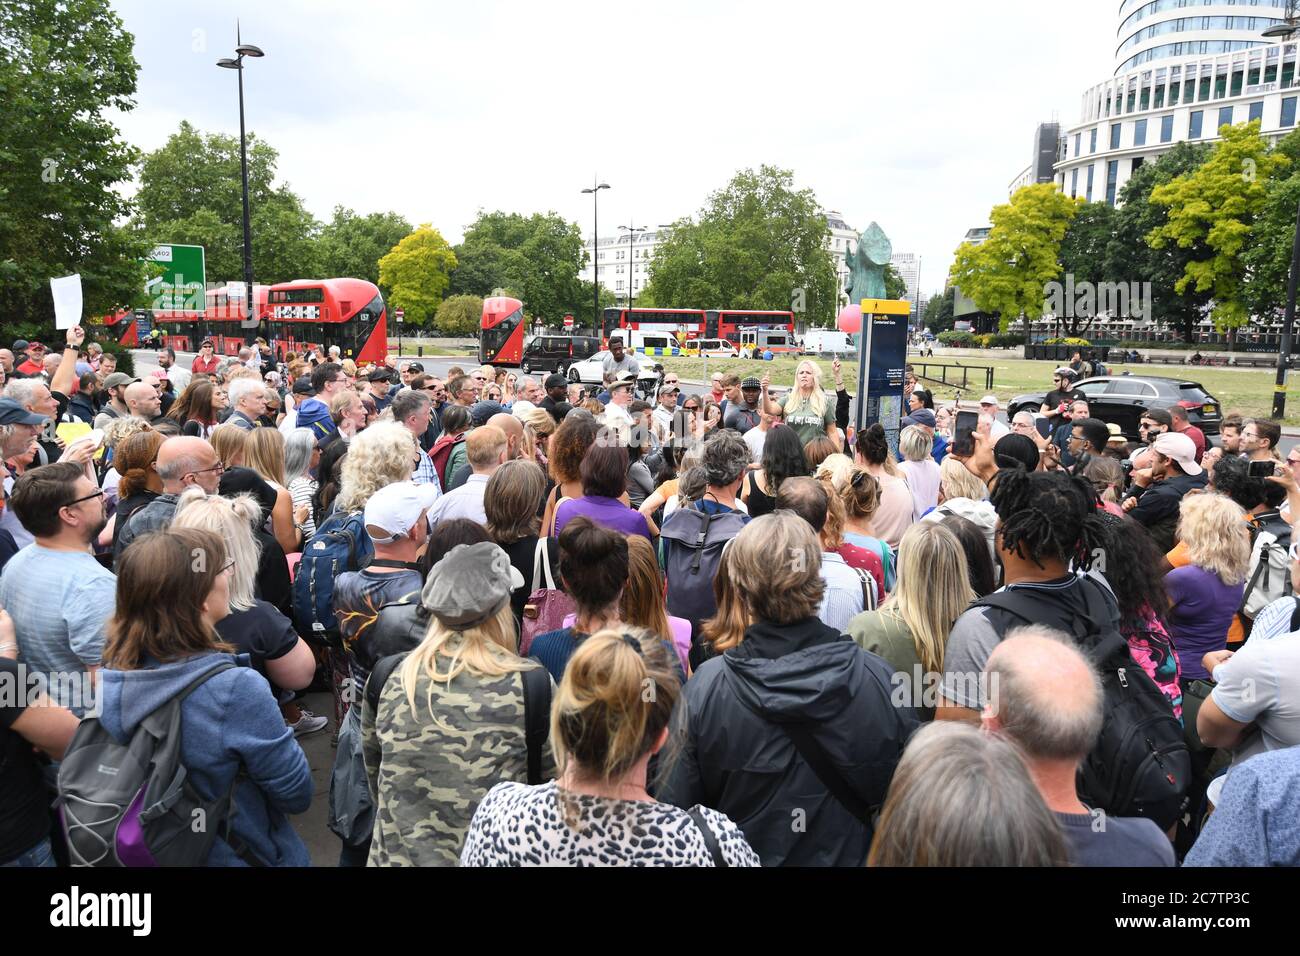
(98, 493)
(228, 566)
(219, 468)
(691, 408)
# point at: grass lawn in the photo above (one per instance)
(1245, 391)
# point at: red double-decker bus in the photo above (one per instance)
(730, 323)
(501, 331)
(684, 323)
(292, 316)
(726, 324)
(321, 313)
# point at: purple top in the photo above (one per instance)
(606, 512)
(1201, 607)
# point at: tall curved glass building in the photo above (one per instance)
(1183, 69)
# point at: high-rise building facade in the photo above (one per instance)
(1183, 69)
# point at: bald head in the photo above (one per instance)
(1044, 694)
(513, 429)
(6, 360)
(184, 460)
(141, 399)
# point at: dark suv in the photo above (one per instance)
(1122, 398)
(555, 353)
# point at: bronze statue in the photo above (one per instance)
(867, 265)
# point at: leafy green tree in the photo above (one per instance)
(1008, 272)
(1268, 257)
(895, 284)
(351, 245)
(1130, 259)
(938, 312)
(582, 314)
(63, 67)
(537, 257)
(418, 271)
(459, 315)
(1217, 205)
(758, 243)
(1082, 255)
(190, 192)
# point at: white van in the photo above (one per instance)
(713, 348)
(826, 342)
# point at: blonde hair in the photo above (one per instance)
(542, 422)
(341, 402)
(932, 590)
(232, 519)
(956, 481)
(1214, 529)
(485, 651)
(229, 442)
(642, 603)
(380, 455)
(264, 453)
(833, 530)
(816, 397)
(915, 443)
(838, 468)
(614, 701)
(119, 430)
(726, 629)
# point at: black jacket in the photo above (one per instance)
(1158, 505)
(735, 758)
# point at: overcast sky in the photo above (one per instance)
(916, 115)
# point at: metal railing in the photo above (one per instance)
(922, 370)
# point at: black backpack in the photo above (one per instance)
(1140, 765)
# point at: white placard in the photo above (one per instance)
(67, 301)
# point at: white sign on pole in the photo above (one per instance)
(67, 301)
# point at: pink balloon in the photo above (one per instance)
(850, 319)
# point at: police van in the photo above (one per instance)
(656, 344)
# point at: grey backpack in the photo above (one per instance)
(132, 804)
(692, 562)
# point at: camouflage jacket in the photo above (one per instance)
(428, 775)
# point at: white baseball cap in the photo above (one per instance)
(989, 400)
(393, 510)
(1180, 448)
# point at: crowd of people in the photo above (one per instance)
(722, 628)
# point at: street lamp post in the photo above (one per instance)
(595, 254)
(237, 64)
(631, 242)
(1285, 31)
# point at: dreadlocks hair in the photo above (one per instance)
(1048, 514)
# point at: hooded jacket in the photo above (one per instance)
(315, 414)
(735, 758)
(228, 724)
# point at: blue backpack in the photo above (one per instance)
(339, 544)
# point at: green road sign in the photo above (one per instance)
(181, 284)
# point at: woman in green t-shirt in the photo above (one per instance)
(807, 409)
(911, 630)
